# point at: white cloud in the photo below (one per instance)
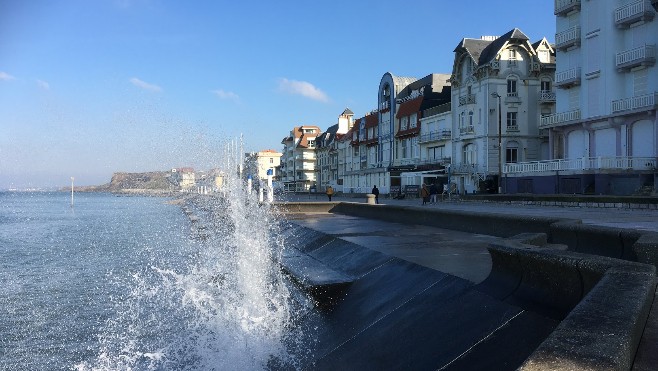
(302, 88)
(145, 85)
(5, 76)
(43, 85)
(221, 94)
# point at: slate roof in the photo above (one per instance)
(483, 51)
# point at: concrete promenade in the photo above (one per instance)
(466, 255)
(642, 219)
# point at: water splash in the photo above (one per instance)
(226, 307)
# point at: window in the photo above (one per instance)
(309, 130)
(404, 123)
(271, 160)
(512, 58)
(511, 88)
(470, 118)
(512, 153)
(511, 121)
(470, 154)
(461, 119)
(413, 120)
(544, 56)
(545, 85)
(404, 148)
(311, 143)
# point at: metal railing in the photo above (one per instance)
(570, 36)
(637, 102)
(444, 134)
(584, 163)
(562, 6)
(467, 99)
(558, 118)
(546, 96)
(635, 55)
(631, 11)
(467, 130)
(566, 76)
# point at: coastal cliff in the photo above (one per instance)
(122, 182)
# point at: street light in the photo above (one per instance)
(500, 148)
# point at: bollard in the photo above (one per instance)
(370, 199)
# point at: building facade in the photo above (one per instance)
(602, 137)
(500, 88)
(299, 158)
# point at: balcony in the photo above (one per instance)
(467, 130)
(568, 78)
(546, 96)
(564, 7)
(568, 38)
(467, 99)
(647, 101)
(637, 57)
(637, 11)
(559, 119)
(444, 134)
(585, 163)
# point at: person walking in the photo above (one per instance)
(375, 191)
(425, 194)
(330, 192)
(434, 192)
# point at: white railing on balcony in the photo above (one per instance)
(559, 118)
(306, 156)
(561, 5)
(584, 163)
(568, 37)
(467, 99)
(567, 75)
(467, 130)
(632, 10)
(436, 135)
(546, 96)
(637, 102)
(641, 53)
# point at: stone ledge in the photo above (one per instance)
(605, 303)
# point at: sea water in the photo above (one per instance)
(124, 283)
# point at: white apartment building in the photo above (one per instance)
(603, 137)
(500, 88)
(298, 158)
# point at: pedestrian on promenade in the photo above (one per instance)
(434, 192)
(425, 194)
(330, 192)
(375, 191)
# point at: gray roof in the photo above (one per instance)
(346, 112)
(483, 51)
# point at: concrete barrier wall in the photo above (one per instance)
(502, 225)
(592, 296)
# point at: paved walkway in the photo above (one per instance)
(621, 218)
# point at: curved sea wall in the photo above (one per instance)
(559, 296)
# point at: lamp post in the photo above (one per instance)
(500, 148)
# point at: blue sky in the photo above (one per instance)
(90, 87)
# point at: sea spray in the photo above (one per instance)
(226, 307)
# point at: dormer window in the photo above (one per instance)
(413, 121)
(311, 143)
(309, 131)
(404, 123)
(512, 57)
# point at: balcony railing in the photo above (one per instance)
(467, 130)
(467, 99)
(564, 7)
(585, 163)
(444, 134)
(560, 118)
(567, 78)
(434, 161)
(568, 38)
(641, 56)
(648, 101)
(546, 96)
(636, 11)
